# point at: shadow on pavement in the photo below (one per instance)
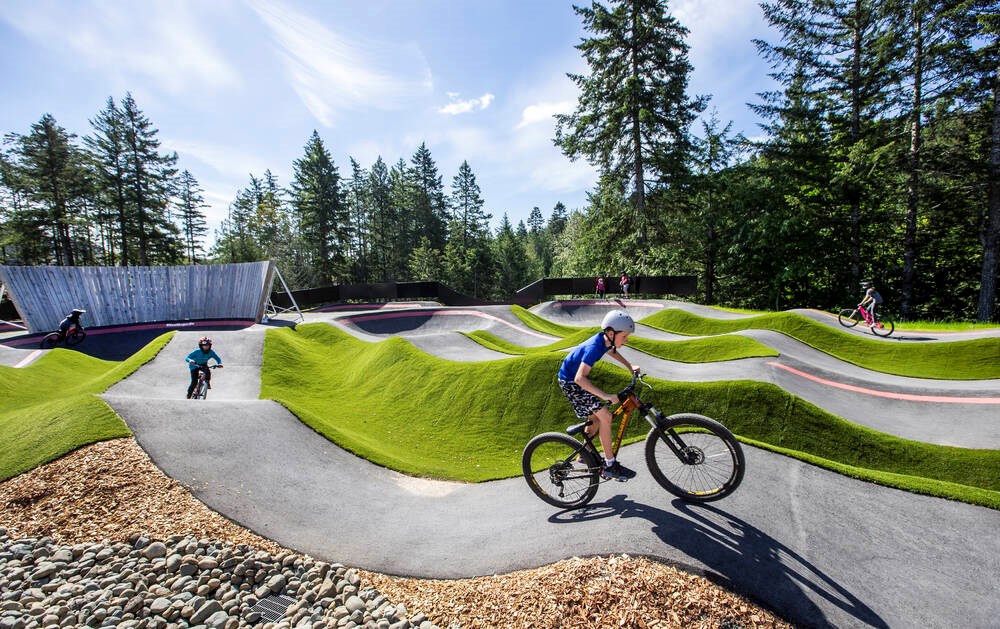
(742, 556)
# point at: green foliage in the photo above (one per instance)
(39, 426)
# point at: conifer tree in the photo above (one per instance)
(429, 206)
(386, 223)
(107, 150)
(318, 202)
(407, 231)
(190, 205)
(51, 174)
(149, 186)
(633, 113)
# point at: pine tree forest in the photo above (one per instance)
(878, 157)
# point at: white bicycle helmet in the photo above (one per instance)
(619, 321)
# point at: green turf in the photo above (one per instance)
(51, 406)
(954, 360)
(542, 324)
(943, 326)
(399, 407)
(702, 350)
(497, 344)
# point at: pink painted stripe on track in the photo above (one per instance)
(886, 394)
(428, 313)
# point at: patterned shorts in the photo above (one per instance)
(584, 402)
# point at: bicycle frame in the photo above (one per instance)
(867, 315)
(626, 410)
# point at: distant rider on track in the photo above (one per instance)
(198, 359)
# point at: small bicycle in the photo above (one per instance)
(201, 388)
(691, 456)
(73, 335)
(880, 326)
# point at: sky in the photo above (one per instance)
(237, 87)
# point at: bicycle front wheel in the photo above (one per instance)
(883, 327)
(560, 471)
(50, 341)
(849, 317)
(695, 457)
(75, 337)
(202, 391)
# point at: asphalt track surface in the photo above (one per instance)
(820, 548)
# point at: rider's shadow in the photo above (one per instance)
(745, 559)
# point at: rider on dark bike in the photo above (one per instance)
(73, 318)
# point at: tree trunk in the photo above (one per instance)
(913, 187)
(988, 284)
(640, 183)
(855, 196)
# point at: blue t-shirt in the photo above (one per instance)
(590, 351)
(202, 358)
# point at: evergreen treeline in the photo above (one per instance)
(879, 159)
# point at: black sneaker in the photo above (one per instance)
(617, 471)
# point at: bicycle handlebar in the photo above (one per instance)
(630, 388)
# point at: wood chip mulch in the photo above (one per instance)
(110, 490)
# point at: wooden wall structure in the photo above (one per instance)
(114, 295)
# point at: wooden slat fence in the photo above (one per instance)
(43, 295)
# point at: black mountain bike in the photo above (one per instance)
(691, 456)
(201, 387)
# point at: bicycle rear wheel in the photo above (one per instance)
(560, 471)
(708, 463)
(75, 337)
(50, 341)
(883, 327)
(849, 317)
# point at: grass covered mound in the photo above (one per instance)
(954, 360)
(402, 408)
(51, 406)
(497, 344)
(703, 350)
(542, 324)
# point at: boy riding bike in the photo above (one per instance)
(198, 360)
(585, 397)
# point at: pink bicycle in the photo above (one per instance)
(879, 325)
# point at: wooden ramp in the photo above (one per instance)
(43, 295)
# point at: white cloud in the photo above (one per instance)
(331, 72)
(225, 160)
(543, 112)
(456, 107)
(159, 40)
